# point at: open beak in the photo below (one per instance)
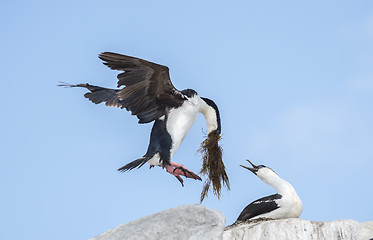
(254, 168)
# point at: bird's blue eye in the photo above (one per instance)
(260, 166)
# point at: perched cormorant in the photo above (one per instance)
(149, 94)
(284, 204)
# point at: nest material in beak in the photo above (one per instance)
(213, 165)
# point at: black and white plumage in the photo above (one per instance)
(149, 94)
(284, 204)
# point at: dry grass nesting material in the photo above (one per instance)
(213, 167)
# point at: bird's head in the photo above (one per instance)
(261, 171)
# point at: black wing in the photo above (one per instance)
(99, 94)
(258, 207)
(148, 88)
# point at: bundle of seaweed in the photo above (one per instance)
(213, 167)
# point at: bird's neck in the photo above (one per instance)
(210, 115)
(281, 186)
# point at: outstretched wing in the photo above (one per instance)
(99, 94)
(148, 88)
(258, 207)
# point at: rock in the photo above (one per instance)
(294, 228)
(193, 222)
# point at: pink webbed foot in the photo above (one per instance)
(178, 170)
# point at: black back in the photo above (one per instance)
(260, 206)
(160, 142)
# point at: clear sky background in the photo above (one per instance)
(293, 81)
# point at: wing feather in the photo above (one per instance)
(258, 207)
(148, 90)
(99, 94)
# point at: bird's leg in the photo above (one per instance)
(178, 170)
(182, 170)
(180, 180)
(171, 170)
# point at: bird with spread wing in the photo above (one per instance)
(149, 94)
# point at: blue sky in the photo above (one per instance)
(293, 81)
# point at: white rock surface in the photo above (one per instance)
(294, 229)
(192, 222)
(195, 222)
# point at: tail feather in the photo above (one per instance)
(137, 163)
(99, 94)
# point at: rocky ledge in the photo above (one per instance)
(195, 222)
(295, 228)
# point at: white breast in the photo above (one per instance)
(180, 120)
(290, 205)
(296, 207)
